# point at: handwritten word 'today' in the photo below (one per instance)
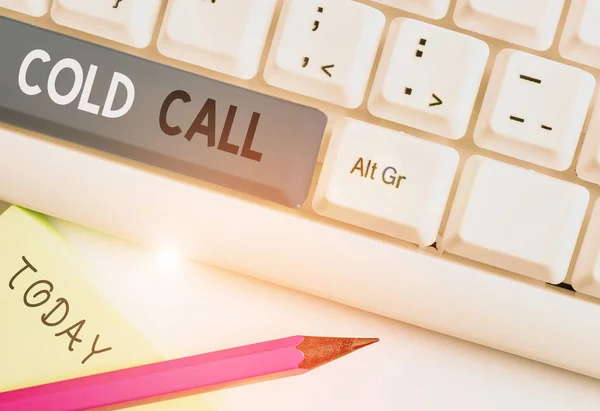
(39, 293)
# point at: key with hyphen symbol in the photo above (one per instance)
(520, 119)
(534, 109)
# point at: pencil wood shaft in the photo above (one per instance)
(287, 356)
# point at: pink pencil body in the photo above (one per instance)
(164, 378)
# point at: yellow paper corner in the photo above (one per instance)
(53, 324)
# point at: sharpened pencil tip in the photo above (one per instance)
(363, 342)
(321, 350)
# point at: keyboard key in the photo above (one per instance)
(588, 163)
(428, 78)
(586, 274)
(325, 49)
(55, 325)
(515, 219)
(434, 9)
(534, 109)
(580, 40)
(530, 23)
(36, 8)
(216, 36)
(130, 22)
(169, 119)
(385, 181)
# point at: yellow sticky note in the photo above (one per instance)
(53, 324)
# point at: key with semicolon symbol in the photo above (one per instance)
(428, 78)
(325, 49)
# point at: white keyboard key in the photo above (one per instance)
(36, 8)
(428, 78)
(528, 23)
(586, 274)
(215, 35)
(434, 9)
(515, 219)
(588, 163)
(130, 22)
(580, 40)
(325, 49)
(385, 181)
(534, 109)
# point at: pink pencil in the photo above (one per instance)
(184, 376)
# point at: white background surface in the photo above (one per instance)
(196, 309)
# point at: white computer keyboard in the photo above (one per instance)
(455, 187)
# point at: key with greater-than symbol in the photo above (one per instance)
(325, 49)
(428, 78)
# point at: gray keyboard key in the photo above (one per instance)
(156, 114)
